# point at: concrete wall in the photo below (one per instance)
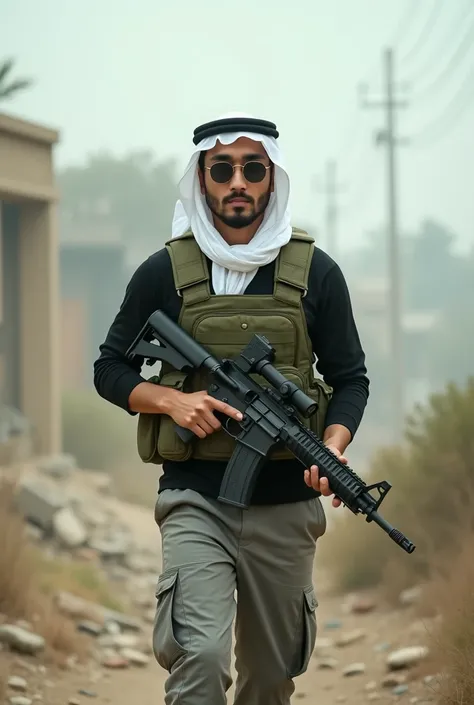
(27, 185)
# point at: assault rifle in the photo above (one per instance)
(270, 418)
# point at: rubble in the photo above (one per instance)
(21, 640)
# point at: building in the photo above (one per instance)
(29, 279)
(93, 277)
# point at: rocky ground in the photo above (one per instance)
(365, 652)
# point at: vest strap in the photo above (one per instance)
(189, 269)
(292, 268)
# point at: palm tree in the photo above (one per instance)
(8, 86)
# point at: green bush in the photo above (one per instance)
(432, 478)
(96, 433)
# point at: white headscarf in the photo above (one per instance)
(234, 266)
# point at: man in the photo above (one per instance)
(234, 267)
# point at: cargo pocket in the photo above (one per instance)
(166, 648)
(305, 637)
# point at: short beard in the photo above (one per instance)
(238, 220)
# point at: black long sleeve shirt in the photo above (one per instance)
(335, 341)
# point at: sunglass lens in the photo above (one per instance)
(254, 172)
(221, 172)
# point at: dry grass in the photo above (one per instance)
(79, 578)
(451, 594)
(4, 675)
(432, 478)
(17, 559)
(28, 581)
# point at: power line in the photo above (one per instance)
(405, 20)
(425, 32)
(446, 40)
(460, 52)
(441, 127)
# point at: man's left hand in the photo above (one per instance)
(311, 477)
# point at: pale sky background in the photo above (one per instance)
(126, 74)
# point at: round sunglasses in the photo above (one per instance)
(222, 172)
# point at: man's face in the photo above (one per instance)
(239, 201)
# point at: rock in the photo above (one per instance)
(140, 563)
(321, 647)
(38, 501)
(58, 466)
(410, 596)
(17, 683)
(118, 641)
(78, 608)
(21, 640)
(68, 528)
(351, 637)
(371, 685)
(333, 624)
(149, 616)
(404, 658)
(34, 533)
(392, 680)
(115, 662)
(125, 622)
(400, 690)
(20, 700)
(354, 669)
(373, 696)
(74, 701)
(135, 657)
(87, 693)
(89, 627)
(111, 627)
(111, 548)
(328, 663)
(93, 517)
(362, 605)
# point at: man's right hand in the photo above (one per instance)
(195, 411)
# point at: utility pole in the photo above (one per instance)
(331, 190)
(388, 138)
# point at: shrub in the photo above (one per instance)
(451, 595)
(433, 483)
(28, 581)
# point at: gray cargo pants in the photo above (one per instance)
(211, 550)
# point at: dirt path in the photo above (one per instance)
(383, 631)
(372, 633)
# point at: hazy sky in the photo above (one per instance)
(126, 74)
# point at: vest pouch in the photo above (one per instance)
(156, 437)
(296, 376)
(321, 393)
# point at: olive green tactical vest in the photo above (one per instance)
(224, 325)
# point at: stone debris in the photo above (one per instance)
(352, 637)
(404, 658)
(17, 683)
(87, 526)
(354, 669)
(21, 640)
